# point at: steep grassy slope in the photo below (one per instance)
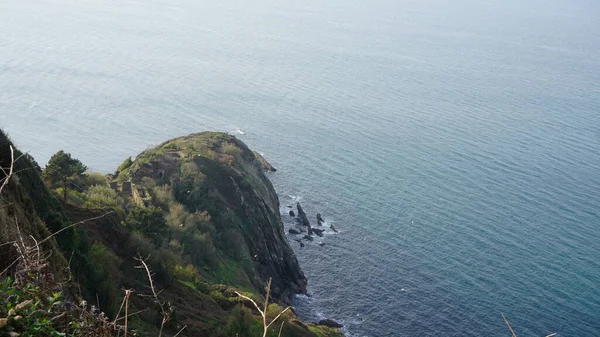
(217, 178)
(200, 211)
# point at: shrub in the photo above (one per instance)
(150, 222)
(101, 196)
(162, 196)
(187, 274)
(125, 165)
(241, 323)
(230, 149)
(105, 277)
(95, 178)
(177, 215)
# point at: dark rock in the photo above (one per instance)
(290, 206)
(333, 228)
(294, 231)
(302, 216)
(292, 214)
(318, 231)
(264, 163)
(320, 218)
(321, 243)
(330, 323)
(301, 244)
(319, 223)
(308, 237)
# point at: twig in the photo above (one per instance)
(119, 312)
(263, 312)
(132, 314)
(73, 225)
(509, 327)
(180, 331)
(166, 314)
(127, 293)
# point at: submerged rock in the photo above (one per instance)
(320, 219)
(333, 228)
(294, 231)
(308, 237)
(318, 231)
(292, 214)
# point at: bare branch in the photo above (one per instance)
(509, 327)
(251, 300)
(263, 313)
(165, 313)
(180, 331)
(281, 313)
(73, 225)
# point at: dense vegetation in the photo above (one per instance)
(197, 210)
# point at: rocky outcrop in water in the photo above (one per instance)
(318, 231)
(320, 219)
(303, 218)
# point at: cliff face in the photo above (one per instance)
(216, 174)
(199, 209)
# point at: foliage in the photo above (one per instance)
(150, 222)
(24, 312)
(101, 196)
(241, 323)
(95, 178)
(124, 166)
(106, 277)
(187, 273)
(230, 148)
(62, 167)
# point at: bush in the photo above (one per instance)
(230, 149)
(105, 276)
(241, 323)
(73, 197)
(102, 196)
(150, 222)
(95, 178)
(163, 196)
(187, 274)
(124, 166)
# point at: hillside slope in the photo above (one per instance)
(198, 209)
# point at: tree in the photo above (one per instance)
(61, 168)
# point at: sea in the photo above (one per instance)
(455, 145)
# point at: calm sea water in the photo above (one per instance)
(455, 144)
